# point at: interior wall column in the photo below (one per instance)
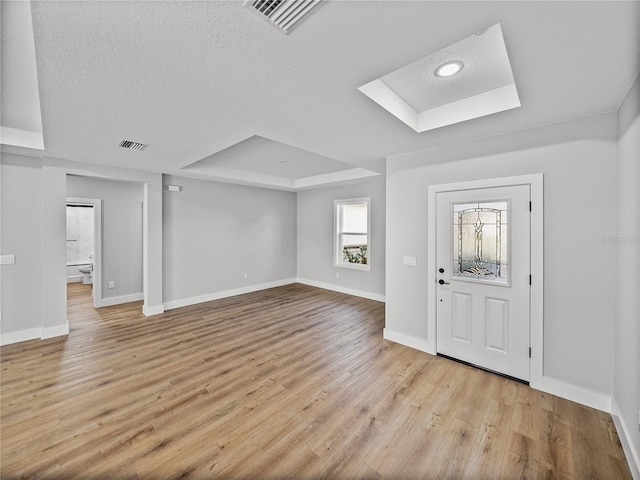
(152, 246)
(54, 283)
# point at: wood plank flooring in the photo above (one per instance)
(291, 382)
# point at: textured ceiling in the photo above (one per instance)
(194, 78)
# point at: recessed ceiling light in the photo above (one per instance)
(448, 69)
(420, 95)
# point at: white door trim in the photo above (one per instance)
(535, 181)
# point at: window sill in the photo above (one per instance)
(353, 266)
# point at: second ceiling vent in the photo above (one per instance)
(283, 14)
(131, 145)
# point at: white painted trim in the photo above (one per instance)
(536, 183)
(242, 177)
(334, 177)
(379, 92)
(337, 288)
(24, 151)
(22, 138)
(75, 278)
(536, 338)
(55, 331)
(109, 301)
(39, 333)
(150, 311)
(20, 336)
(631, 454)
(575, 393)
(492, 101)
(208, 297)
(431, 262)
(170, 305)
(407, 340)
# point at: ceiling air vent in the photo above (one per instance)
(132, 145)
(283, 14)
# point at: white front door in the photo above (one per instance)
(483, 278)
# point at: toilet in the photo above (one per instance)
(85, 270)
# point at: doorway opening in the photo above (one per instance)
(80, 242)
(84, 247)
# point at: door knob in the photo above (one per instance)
(441, 270)
(442, 282)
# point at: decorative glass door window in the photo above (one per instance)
(480, 241)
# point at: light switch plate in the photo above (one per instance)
(411, 261)
(7, 259)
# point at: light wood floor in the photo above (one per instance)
(292, 382)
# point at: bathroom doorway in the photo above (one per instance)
(84, 245)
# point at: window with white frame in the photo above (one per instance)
(352, 246)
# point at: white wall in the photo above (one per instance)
(121, 231)
(22, 237)
(627, 245)
(36, 304)
(316, 239)
(216, 232)
(578, 161)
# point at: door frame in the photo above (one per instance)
(536, 312)
(96, 289)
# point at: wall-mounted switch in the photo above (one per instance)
(173, 188)
(411, 261)
(8, 259)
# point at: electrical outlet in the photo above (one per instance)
(8, 259)
(337, 274)
(112, 284)
(246, 275)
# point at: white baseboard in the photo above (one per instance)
(584, 396)
(208, 297)
(20, 336)
(75, 278)
(632, 455)
(110, 301)
(55, 331)
(597, 400)
(39, 333)
(150, 311)
(337, 288)
(408, 341)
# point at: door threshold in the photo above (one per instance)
(503, 375)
